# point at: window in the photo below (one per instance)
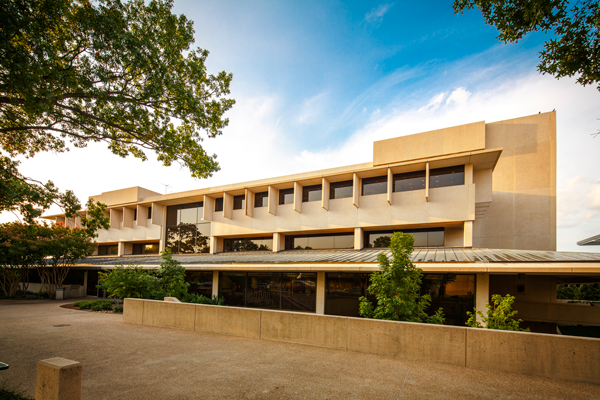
(135, 214)
(409, 181)
(248, 244)
(286, 196)
(261, 199)
(340, 190)
(454, 293)
(145, 248)
(325, 241)
(311, 193)
(442, 177)
(186, 232)
(342, 292)
(376, 185)
(293, 291)
(150, 212)
(219, 204)
(200, 282)
(239, 202)
(431, 237)
(108, 250)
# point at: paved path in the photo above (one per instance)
(123, 361)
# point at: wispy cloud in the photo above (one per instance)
(375, 16)
(311, 108)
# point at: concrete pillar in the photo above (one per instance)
(85, 282)
(426, 182)
(298, 197)
(355, 189)
(120, 249)
(390, 185)
(321, 293)
(216, 245)
(325, 188)
(469, 174)
(278, 242)
(58, 379)
(359, 237)
(215, 287)
(468, 234)
(482, 293)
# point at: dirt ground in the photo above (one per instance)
(123, 361)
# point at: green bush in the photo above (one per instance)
(7, 393)
(200, 299)
(118, 309)
(94, 305)
(500, 315)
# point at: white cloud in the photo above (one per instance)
(312, 108)
(375, 16)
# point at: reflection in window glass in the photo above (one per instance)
(286, 196)
(442, 177)
(264, 290)
(248, 244)
(409, 181)
(232, 286)
(187, 215)
(340, 190)
(145, 248)
(108, 250)
(375, 185)
(239, 202)
(454, 293)
(313, 242)
(273, 290)
(200, 282)
(219, 204)
(189, 238)
(433, 237)
(261, 199)
(311, 193)
(342, 292)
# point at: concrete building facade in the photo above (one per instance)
(457, 190)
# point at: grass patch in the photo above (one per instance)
(94, 305)
(8, 393)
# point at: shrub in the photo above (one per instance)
(500, 315)
(118, 309)
(200, 299)
(8, 393)
(94, 305)
(396, 286)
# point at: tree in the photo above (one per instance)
(575, 49)
(119, 72)
(500, 315)
(396, 286)
(128, 282)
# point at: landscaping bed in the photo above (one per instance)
(96, 305)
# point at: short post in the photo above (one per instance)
(58, 379)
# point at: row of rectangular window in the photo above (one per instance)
(192, 212)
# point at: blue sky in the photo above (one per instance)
(316, 82)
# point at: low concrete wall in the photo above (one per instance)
(317, 330)
(427, 342)
(551, 356)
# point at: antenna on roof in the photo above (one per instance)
(166, 187)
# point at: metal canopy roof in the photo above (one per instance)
(592, 241)
(420, 255)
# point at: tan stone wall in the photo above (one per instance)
(557, 357)
(522, 214)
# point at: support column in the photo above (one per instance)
(216, 245)
(278, 242)
(358, 238)
(120, 249)
(85, 282)
(482, 293)
(320, 293)
(215, 286)
(468, 234)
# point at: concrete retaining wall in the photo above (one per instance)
(557, 357)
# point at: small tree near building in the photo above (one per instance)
(397, 285)
(500, 315)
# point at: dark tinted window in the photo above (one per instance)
(311, 193)
(263, 290)
(409, 181)
(219, 204)
(261, 199)
(149, 212)
(376, 185)
(135, 214)
(442, 177)
(248, 244)
(145, 248)
(310, 242)
(239, 202)
(454, 293)
(342, 292)
(200, 282)
(232, 286)
(340, 190)
(433, 237)
(286, 196)
(108, 250)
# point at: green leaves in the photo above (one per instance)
(119, 72)
(396, 287)
(575, 50)
(500, 315)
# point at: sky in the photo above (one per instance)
(316, 82)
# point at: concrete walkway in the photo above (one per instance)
(123, 361)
